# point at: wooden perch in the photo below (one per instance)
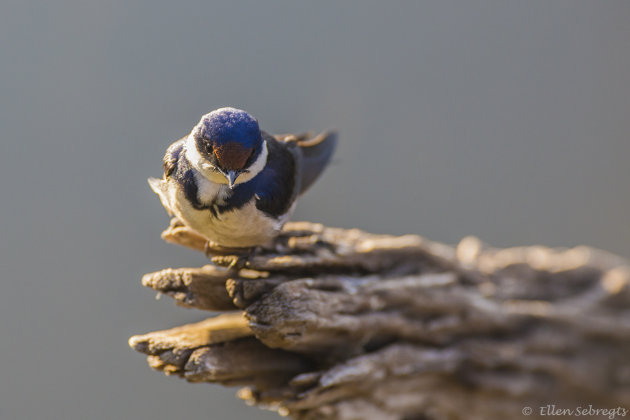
(342, 324)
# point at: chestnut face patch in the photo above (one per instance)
(231, 156)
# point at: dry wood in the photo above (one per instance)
(343, 324)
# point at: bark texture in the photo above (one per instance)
(342, 324)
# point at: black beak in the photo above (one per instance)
(231, 177)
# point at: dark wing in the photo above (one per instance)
(277, 185)
(289, 137)
(171, 156)
(315, 155)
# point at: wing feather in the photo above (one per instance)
(316, 154)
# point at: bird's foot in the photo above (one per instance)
(232, 258)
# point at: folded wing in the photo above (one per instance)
(315, 152)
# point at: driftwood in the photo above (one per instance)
(342, 324)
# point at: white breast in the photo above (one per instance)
(244, 227)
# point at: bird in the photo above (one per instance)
(235, 184)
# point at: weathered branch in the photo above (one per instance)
(342, 324)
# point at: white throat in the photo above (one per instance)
(211, 173)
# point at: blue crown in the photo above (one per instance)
(226, 125)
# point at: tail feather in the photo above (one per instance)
(159, 187)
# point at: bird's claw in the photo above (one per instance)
(220, 255)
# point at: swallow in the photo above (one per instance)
(235, 184)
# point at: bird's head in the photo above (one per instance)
(229, 141)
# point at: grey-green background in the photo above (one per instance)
(505, 119)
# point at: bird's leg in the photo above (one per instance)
(220, 253)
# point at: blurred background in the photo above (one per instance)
(506, 120)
